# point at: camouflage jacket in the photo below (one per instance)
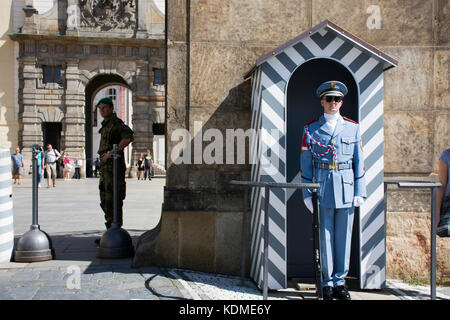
(112, 132)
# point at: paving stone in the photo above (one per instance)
(150, 270)
(159, 281)
(132, 285)
(102, 275)
(6, 295)
(129, 277)
(53, 293)
(25, 275)
(55, 283)
(52, 275)
(124, 269)
(110, 283)
(171, 292)
(22, 293)
(101, 293)
(97, 269)
(4, 276)
(32, 283)
(143, 294)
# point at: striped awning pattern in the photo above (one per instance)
(270, 77)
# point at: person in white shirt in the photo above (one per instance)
(50, 157)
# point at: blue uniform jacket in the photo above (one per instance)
(337, 187)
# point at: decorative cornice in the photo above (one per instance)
(20, 37)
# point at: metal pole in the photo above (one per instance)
(266, 243)
(317, 255)
(116, 242)
(115, 195)
(244, 236)
(35, 244)
(34, 187)
(433, 244)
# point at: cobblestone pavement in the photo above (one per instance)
(70, 214)
(117, 280)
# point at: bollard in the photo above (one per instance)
(6, 208)
(115, 242)
(35, 244)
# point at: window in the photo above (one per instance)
(158, 129)
(112, 94)
(52, 74)
(159, 76)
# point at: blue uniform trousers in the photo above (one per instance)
(335, 235)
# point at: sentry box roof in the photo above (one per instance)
(317, 32)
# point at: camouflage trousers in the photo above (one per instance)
(107, 195)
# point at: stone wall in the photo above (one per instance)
(408, 234)
(212, 44)
(8, 117)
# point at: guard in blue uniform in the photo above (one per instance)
(332, 156)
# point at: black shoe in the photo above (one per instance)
(327, 293)
(97, 241)
(341, 293)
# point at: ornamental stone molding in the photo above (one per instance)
(54, 114)
(108, 14)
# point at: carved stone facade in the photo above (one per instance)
(107, 15)
(96, 46)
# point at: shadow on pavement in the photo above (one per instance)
(80, 246)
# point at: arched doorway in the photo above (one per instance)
(106, 85)
(302, 107)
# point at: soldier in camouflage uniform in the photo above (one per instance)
(113, 131)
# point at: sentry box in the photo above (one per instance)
(284, 82)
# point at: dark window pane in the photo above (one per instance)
(52, 74)
(47, 74)
(158, 129)
(157, 77)
(57, 75)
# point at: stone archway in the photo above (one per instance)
(95, 85)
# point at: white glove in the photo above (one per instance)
(358, 201)
(308, 203)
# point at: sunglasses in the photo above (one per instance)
(330, 98)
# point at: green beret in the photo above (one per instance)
(105, 101)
